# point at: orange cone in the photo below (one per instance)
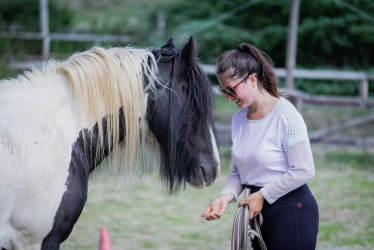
(104, 243)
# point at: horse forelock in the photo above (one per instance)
(105, 80)
(196, 113)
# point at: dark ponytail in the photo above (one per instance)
(246, 60)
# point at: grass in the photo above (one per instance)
(142, 217)
(319, 117)
(344, 189)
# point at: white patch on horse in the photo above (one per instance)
(215, 150)
(35, 153)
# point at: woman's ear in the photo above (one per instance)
(253, 80)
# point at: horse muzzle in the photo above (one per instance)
(203, 176)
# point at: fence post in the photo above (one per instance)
(364, 88)
(161, 24)
(292, 43)
(44, 27)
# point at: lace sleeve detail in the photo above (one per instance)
(300, 172)
(296, 128)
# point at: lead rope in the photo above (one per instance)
(242, 233)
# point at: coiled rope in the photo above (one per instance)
(244, 230)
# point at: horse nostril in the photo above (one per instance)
(208, 178)
(204, 172)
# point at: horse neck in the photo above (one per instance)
(93, 151)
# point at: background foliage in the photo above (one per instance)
(331, 35)
(18, 16)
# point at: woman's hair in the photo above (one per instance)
(247, 60)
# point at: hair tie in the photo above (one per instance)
(240, 48)
(243, 48)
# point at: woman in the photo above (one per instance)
(270, 153)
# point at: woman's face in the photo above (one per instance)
(243, 91)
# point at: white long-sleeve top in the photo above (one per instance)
(273, 153)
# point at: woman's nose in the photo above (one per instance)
(229, 97)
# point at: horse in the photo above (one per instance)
(142, 108)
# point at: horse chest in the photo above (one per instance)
(38, 168)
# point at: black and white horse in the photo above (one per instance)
(151, 107)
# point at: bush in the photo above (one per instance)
(15, 15)
(334, 88)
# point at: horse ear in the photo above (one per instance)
(188, 53)
(169, 44)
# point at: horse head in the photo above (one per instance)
(180, 117)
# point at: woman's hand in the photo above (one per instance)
(217, 207)
(255, 202)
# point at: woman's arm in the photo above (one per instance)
(230, 192)
(301, 170)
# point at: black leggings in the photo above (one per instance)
(291, 222)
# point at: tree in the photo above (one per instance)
(16, 15)
(330, 34)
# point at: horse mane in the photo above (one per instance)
(105, 80)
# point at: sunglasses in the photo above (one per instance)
(230, 91)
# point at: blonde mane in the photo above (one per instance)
(103, 81)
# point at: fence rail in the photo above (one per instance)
(312, 74)
(361, 77)
(75, 37)
(297, 97)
